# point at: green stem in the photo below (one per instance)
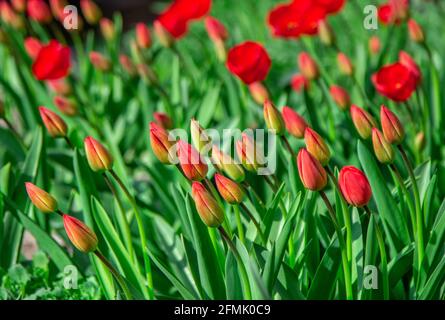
(255, 222)
(239, 224)
(288, 147)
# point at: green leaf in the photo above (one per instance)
(208, 106)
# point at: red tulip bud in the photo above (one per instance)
(215, 29)
(10, 17)
(98, 157)
(316, 146)
(227, 164)
(406, 60)
(19, 5)
(374, 45)
(354, 186)
(391, 126)
(415, 31)
(40, 198)
(99, 61)
(229, 190)
(248, 153)
(91, 11)
(165, 38)
(206, 205)
(161, 143)
(312, 174)
(325, 32)
(344, 64)
(65, 105)
(59, 86)
(54, 124)
(382, 148)
(192, 164)
(163, 120)
(258, 92)
(308, 66)
(57, 8)
(80, 235)
(107, 29)
(143, 37)
(295, 124)
(299, 82)
(128, 65)
(39, 11)
(273, 118)
(419, 141)
(340, 97)
(32, 47)
(363, 122)
(200, 139)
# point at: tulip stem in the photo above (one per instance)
(419, 218)
(341, 241)
(115, 273)
(288, 147)
(248, 186)
(382, 249)
(239, 223)
(14, 132)
(68, 141)
(255, 222)
(141, 232)
(242, 268)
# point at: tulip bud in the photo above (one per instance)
(374, 45)
(344, 64)
(273, 118)
(308, 66)
(206, 205)
(391, 126)
(161, 144)
(10, 17)
(54, 124)
(57, 8)
(248, 153)
(218, 34)
(325, 33)
(80, 235)
(146, 73)
(107, 29)
(312, 174)
(39, 11)
(408, 61)
(59, 86)
(143, 37)
(163, 120)
(165, 38)
(316, 146)
(229, 190)
(192, 164)
(91, 11)
(99, 61)
(200, 139)
(354, 186)
(299, 82)
(19, 5)
(40, 198)
(340, 97)
(363, 122)
(65, 105)
(258, 92)
(382, 148)
(227, 164)
(419, 141)
(128, 65)
(32, 47)
(98, 157)
(415, 31)
(295, 124)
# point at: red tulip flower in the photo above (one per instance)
(395, 11)
(395, 81)
(172, 23)
(312, 174)
(39, 11)
(408, 61)
(215, 29)
(340, 97)
(331, 6)
(191, 10)
(308, 66)
(354, 186)
(52, 62)
(32, 47)
(192, 164)
(295, 124)
(143, 37)
(249, 61)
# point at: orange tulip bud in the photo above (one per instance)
(227, 164)
(143, 37)
(391, 126)
(39, 11)
(215, 29)
(165, 38)
(163, 120)
(19, 5)
(59, 86)
(273, 118)
(91, 11)
(295, 124)
(98, 157)
(344, 64)
(229, 190)
(415, 31)
(162, 143)
(99, 61)
(107, 29)
(419, 141)
(206, 205)
(308, 66)
(57, 8)
(65, 105)
(80, 235)
(382, 148)
(10, 17)
(312, 174)
(325, 32)
(374, 45)
(316, 146)
(249, 154)
(40, 198)
(258, 92)
(200, 139)
(128, 65)
(54, 124)
(363, 122)
(299, 83)
(340, 97)
(192, 164)
(32, 47)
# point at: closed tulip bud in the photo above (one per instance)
(10, 17)
(420, 142)
(215, 29)
(316, 146)
(107, 29)
(354, 186)
(40, 198)
(147, 74)
(99, 61)
(207, 206)
(344, 64)
(54, 124)
(273, 118)
(415, 31)
(32, 47)
(312, 174)
(382, 148)
(248, 153)
(229, 190)
(391, 126)
(98, 157)
(299, 83)
(143, 37)
(200, 139)
(363, 122)
(162, 143)
(308, 66)
(340, 97)
(192, 164)
(19, 5)
(227, 164)
(258, 92)
(128, 65)
(57, 8)
(164, 37)
(39, 11)
(65, 105)
(80, 235)
(91, 11)
(374, 45)
(295, 124)
(60, 86)
(325, 33)
(163, 120)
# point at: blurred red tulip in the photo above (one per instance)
(394, 11)
(308, 66)
(19, 5)
(191, 10)
(10, 17)
(143, 37)
(32, 47)
(345, 64)
(107, 28)
(340, 97)
(39, 11)
(91, 11)
(163, 120)
(374, 45)
(80, 235)
(65, 105)
(325, 32)
(192, 164)
(312, 174)
(59, 86)
(395, 81)
(299, 82)
(57, 8)
(170, 26)
(54, 124)
(52, 62)
(354, 186)
(415, 31)
(295, 124)
(391, 126)
(249, 61)
(331, 6)
(258, 92)
(363, 121)
(408, 61)
(99, 61)
(215, 29)
(128, 65)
